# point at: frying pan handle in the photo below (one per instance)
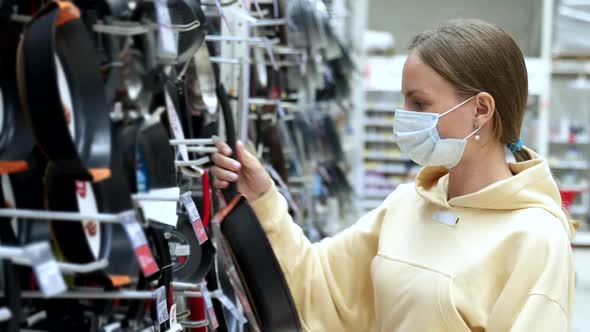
(232, 190)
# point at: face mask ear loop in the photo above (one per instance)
(454, 108)
(473, 133)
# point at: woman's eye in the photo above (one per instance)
(419, 105)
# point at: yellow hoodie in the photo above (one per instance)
(505, 265)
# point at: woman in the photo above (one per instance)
(475, 244)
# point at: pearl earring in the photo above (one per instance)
(476, 127)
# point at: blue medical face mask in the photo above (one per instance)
(416, 135)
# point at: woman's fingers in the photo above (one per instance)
(223, 174)
(223, 148)
(225, 162)
(220, 184)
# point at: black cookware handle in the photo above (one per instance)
(232, 190)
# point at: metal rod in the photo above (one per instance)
(69, 268)
(216, 59)
(54, 215)
(252, 40)
(202, 149)
(186, 293)
(193, 324)
(153, 198)
(192, 141)
(269, 22)
(87, 294)
(187, 285)
(198, 162)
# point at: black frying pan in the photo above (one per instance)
(260, 270)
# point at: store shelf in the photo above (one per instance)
(385, 157)
(379, 122)
(582, 239)
(371, 138)
(369, 204)
(370, 183)
(579, 140)
(578, 210)
(570, 67)
(573, 187)
(387, 169)
(381, 193)
(383, 108)
(569, 165)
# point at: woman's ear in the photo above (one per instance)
(485, 107)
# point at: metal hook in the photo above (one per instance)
(5, 314)
(19, 256)
(198, 162)
(55, 215)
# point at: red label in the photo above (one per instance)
(199, 231)
(146, 260)
(81, 188)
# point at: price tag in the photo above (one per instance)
(167, 38)
(174, 326)
(209, 306)
(180, 249)
(161, 304)
(175, 125)
(271, 55)
(49, 277)
(229, 305)
(194, 217)
(136, 236)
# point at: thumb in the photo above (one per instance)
(244, 157)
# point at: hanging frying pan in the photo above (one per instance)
(155, 156)
(161, 250)
(182, 12)
(88, 240)
(202, 86)
(254, 255)
(108, 47)
(16, 139)
(62, 92)
(191, 261)
(117, 190)
(136, 76)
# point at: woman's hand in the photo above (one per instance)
(253, 180)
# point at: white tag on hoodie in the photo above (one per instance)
(445, 217)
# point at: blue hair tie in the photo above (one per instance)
(516, 146)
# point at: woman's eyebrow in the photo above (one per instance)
(410, 93)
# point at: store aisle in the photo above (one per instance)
(581, 318)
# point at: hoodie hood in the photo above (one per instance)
(532, 186)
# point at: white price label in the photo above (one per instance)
(161, 304)
(175, 125)
(229, 305)
(174, 326)
(209, 305)
(194, 217)
(136, 236)
(181, 250)
(49, 277)
(167, 38)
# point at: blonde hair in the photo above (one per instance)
(476, 56)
